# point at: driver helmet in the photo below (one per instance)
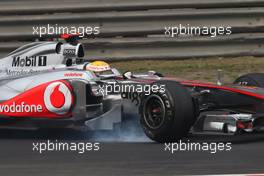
(98, 66)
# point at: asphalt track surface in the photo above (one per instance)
(126, 158)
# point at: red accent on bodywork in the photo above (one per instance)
(212, 86)
(34, 97)
(67, 36)
(241, 125)
(192, 83)
(244, 125)
(57, 98)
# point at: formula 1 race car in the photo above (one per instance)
(48, 85)
(41, 87)
(205, 108)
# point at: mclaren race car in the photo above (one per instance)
(48, 85)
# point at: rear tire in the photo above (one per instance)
(167, 116)
(251, 79)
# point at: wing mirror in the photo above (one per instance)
(128, 75)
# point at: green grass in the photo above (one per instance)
(204, 69)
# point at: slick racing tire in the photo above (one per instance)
(251, 79)
(167, 116)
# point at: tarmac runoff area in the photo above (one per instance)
(127, 155)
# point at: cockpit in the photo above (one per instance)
(102, 69)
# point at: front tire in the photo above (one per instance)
(167, 116)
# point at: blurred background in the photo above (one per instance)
(132, 33)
